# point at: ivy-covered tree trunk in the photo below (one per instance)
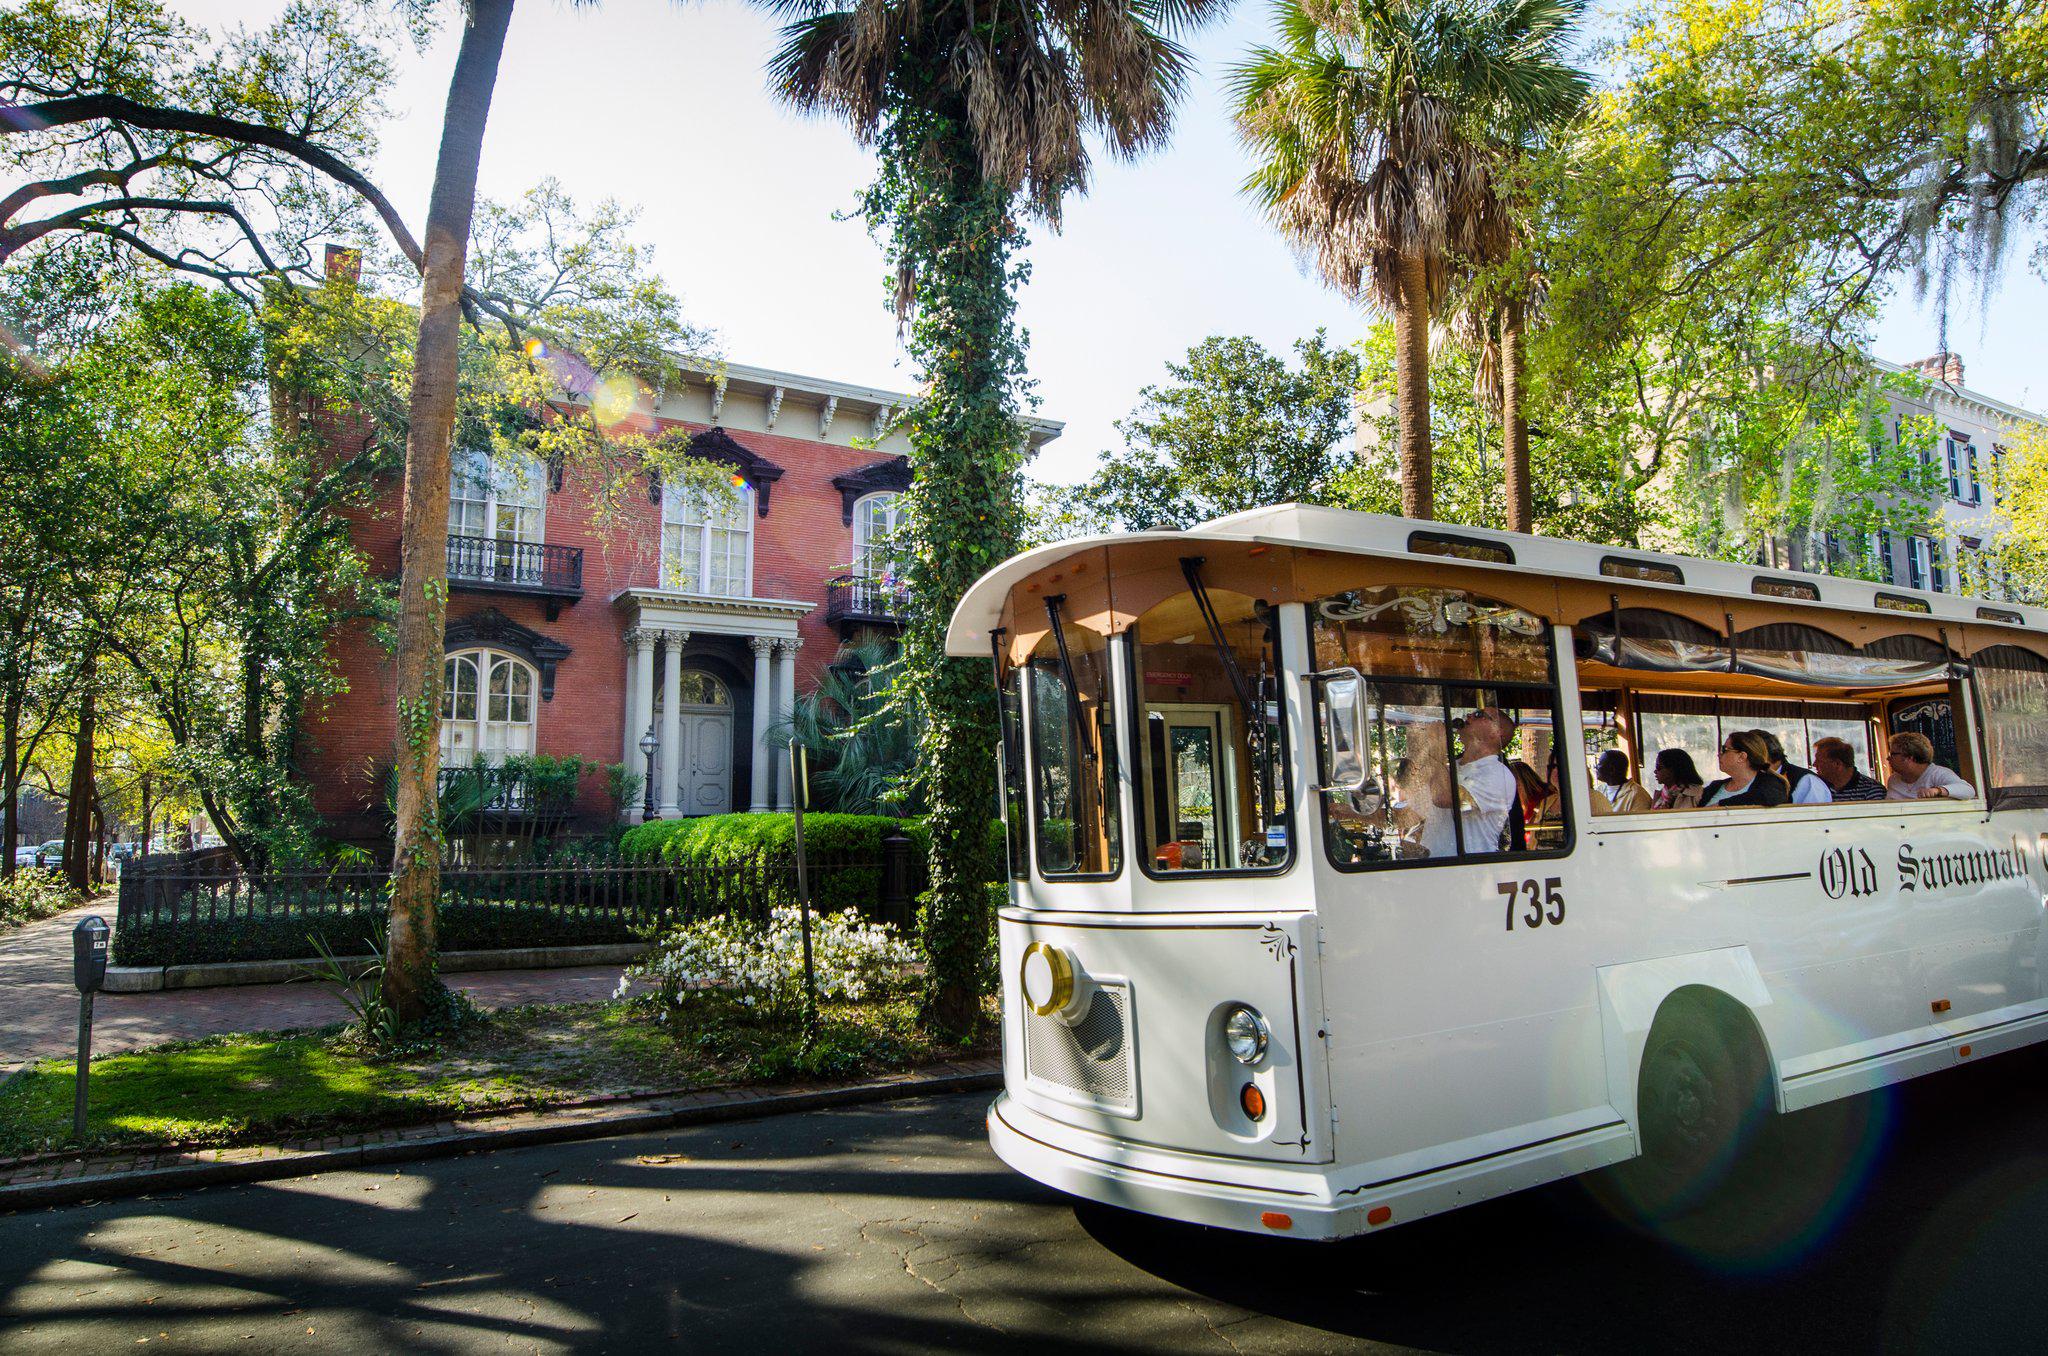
(409, 978)
(952, 239)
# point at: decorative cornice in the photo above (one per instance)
(717, 398)
(715, 444)
(890, 473)
(884, 416)
(774, 406)
(491, 627)
(825, 413)
(717, 604)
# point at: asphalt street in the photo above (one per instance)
(1914, 1223)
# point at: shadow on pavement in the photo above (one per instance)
(1913, 1220)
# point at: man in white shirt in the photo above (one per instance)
(1915, 774)
(1807, 786)
(1486, 788)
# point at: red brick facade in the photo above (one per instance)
(802, 542)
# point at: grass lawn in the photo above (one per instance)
(261, 1087)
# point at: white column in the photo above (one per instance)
(671, 763)
(640, 712)
(785, 707)
(764, 695)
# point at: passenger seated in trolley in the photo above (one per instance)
(1915, 774)
(1679, 784)
(1807, 789)
(1834, 762)
(1747, 778)
(1616, 791)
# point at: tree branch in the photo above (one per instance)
(120, 109)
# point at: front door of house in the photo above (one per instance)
(707, 762)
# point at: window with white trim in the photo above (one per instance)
(505, 500)
(707, 541)
(487, 707)
(877, 561)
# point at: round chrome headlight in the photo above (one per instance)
(1245, 1032)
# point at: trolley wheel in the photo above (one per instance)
(1702, 1097)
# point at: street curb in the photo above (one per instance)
(562, 1127)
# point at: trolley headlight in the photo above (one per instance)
(1046, 979)
(1245, 1032)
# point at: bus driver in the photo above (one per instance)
(1486, 788)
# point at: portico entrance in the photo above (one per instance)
(689, 658)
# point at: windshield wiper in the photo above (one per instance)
(1059, 640)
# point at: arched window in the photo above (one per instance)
(877, 558)
(486, 707)
(707, 542)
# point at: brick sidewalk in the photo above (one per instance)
(56, 1179)
(39, 1008)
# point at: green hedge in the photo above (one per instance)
(721, 840)
(463, 927)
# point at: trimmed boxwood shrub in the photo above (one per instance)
(769, 840)
(464, 926)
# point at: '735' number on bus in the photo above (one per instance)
(1534, 904)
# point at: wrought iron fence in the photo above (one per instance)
(572, 901)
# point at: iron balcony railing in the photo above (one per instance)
(516, 566)
(867, 600)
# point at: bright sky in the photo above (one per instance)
(663, 106)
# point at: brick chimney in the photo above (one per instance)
(1942, 366)
(344, 264)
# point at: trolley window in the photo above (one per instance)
(1075, 820)
(1430, 698)
(1211, 743)
(1016, 832)
(2012, 686)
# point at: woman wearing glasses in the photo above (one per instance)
(1746, 776)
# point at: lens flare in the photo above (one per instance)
(616, 398)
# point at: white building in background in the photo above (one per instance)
(1970, 430)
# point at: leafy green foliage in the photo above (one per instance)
(1236, 428)
(30, 895)
(859, 727)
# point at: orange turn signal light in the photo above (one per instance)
(1379, 1214)
(1273, 1219)
(1939, 1005)
(1253, 1101)
(1964, 1052)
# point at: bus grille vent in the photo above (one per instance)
(1088, 1060)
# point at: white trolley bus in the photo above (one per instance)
(1275, 958)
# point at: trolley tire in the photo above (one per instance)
(1703, 1097)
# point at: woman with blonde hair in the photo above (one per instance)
(1746, 776)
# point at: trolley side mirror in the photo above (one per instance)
(89, 954)
(1343, 717)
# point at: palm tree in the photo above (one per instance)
(974, 109)
(1373, 126)
(1491, 318)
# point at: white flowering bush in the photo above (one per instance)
(762, 969)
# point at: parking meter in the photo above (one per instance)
(89, 954)
(89, 974)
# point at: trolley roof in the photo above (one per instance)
(1306, 527)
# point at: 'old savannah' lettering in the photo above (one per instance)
(1972, 866)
